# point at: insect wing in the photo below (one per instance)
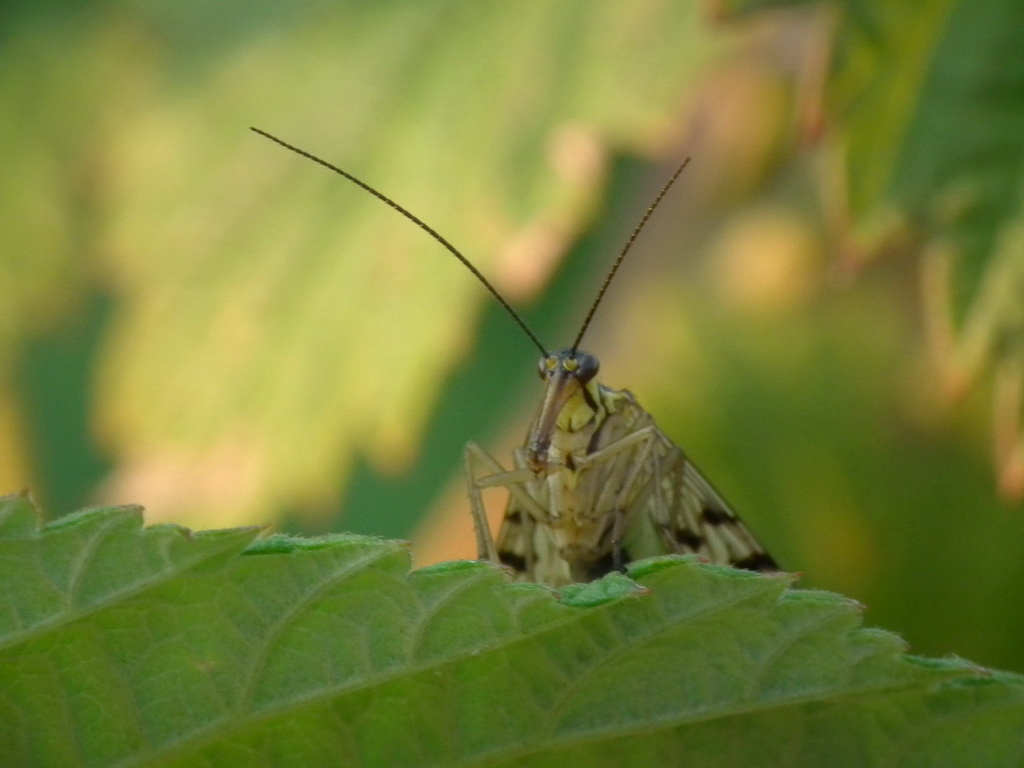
(696, 519)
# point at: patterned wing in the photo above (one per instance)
(692, 517)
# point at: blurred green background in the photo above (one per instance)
(825, 313)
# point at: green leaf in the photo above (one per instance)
(932, 119)
(129, 646)
(927, 124)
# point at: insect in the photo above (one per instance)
(597, 484)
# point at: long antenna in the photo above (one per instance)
(422, 225)
(622, 255)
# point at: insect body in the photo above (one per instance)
(597, 484)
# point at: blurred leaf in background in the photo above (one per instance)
(200, 322)
(270, 322)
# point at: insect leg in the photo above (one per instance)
(639, 470)
(629, 486)
(485, 548)
(498, 476)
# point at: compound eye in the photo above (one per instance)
(546, 366)
(587, 366)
